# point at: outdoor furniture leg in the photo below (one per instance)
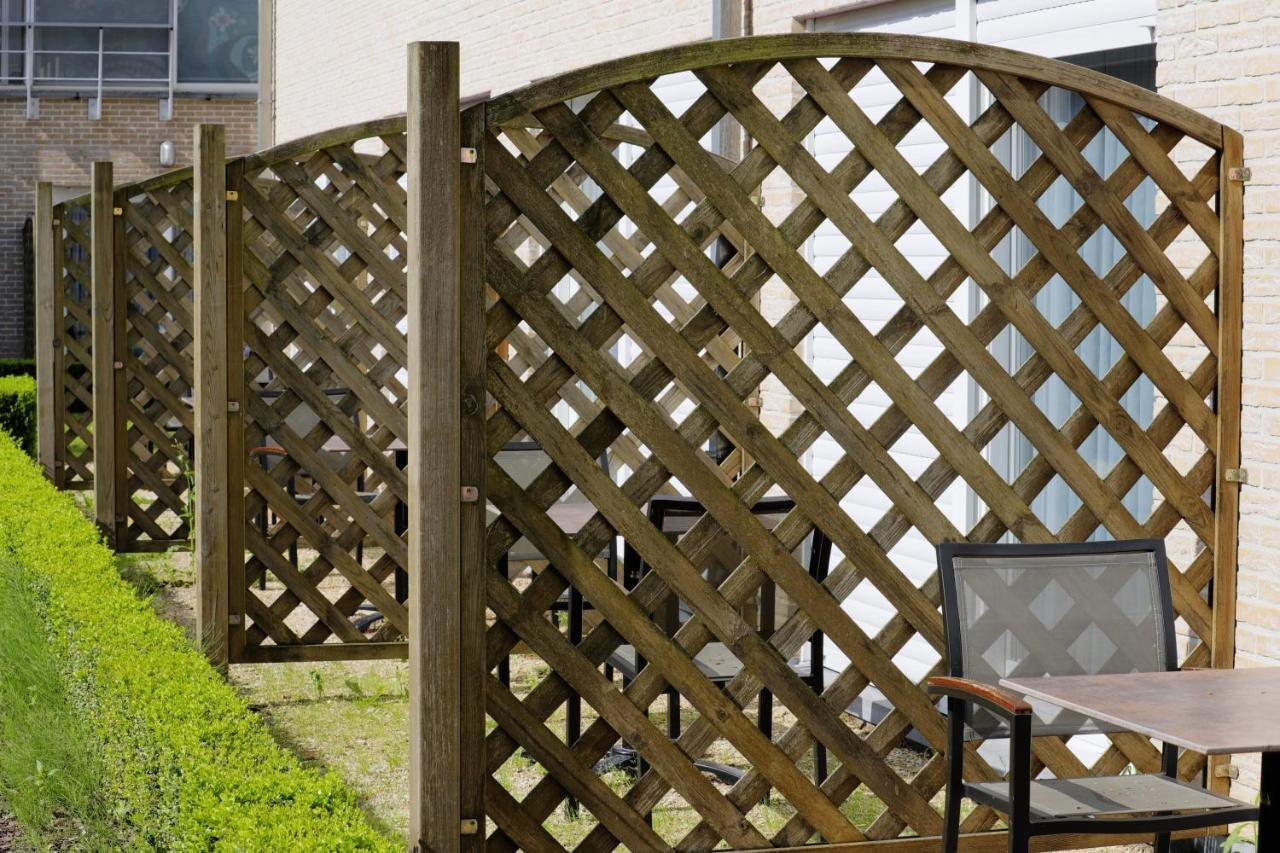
(401, 525)
(955, 770)
(1269, 802)
(504, 665)
(293, 547)
(262, 528)
(1019, 784)
(573, 713)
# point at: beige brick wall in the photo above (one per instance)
(61, 145)
(1223, 58)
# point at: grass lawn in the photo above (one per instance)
(352, 718)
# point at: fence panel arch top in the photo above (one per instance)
(626, 319)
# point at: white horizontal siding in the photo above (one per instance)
(873, 301)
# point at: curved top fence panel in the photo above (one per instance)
(819, 255)
(870, 46)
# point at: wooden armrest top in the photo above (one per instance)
(997, 696)
(268, 450)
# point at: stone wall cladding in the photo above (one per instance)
(61, 145)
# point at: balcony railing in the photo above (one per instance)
(95, 59)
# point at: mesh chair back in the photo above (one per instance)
(1032, 610)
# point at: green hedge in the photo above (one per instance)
(188, 766)
(18, 410)
(18, 367)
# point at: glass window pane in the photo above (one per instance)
(148, 40)
(134, 67)
(103, 11)
(66, 66)
(67, 38)
(217, 41)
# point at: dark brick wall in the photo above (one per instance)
(61, 145)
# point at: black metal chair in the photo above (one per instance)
(1068, 609)
(335, 454)
(674, 515)
(524, 461)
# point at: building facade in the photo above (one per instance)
(86, 80)
(1222, 58)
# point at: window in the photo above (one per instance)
(218, 41)
(163, 46)
(1012, 451)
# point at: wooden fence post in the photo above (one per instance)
(445, 597)
(48, 354)
(108, 355)
(471, 568)
(213, 363)
(1227, 402)
(234, 243)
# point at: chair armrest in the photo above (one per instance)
(995, 699)
(268, 450)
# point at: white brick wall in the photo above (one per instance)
(340, 62)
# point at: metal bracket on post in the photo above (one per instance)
(469, 155)
(1240, 173)
(1236, 475)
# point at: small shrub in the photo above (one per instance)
(186, 765)
(18, 410)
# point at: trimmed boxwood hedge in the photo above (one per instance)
(18, 367)
(189, 767)
(18, 410)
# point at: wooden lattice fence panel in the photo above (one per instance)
(562, 280)
(157, 255)
(323, 304)
(72, 311)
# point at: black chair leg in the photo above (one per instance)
(955, 768)
(293, 547)
(504, 665)
(1162, 843)
(1019, 783)
(262, 528)
(573, 713)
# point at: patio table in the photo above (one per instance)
(1210, 711)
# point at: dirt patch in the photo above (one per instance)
(9, 835)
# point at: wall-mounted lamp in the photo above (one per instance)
(166, 153)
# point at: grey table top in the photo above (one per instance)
(1210, 711)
